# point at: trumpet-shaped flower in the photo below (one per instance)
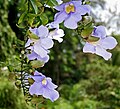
(34, 56)
(71, 13)
(57, 34)
(43, 86)
(99, 47)
(42, 44)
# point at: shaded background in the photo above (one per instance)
(86, 81)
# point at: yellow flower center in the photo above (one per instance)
(44, 81)
(69, 8)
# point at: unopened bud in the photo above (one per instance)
(22, 52)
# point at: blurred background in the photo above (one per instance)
(85, 81)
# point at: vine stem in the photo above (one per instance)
(21, 74)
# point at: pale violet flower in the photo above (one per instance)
(99, 47)
(53, 25)
(71, 13)
(43, 86)
(41, 45)
(34, 56)
(57, 34)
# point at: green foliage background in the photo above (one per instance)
(85, 81)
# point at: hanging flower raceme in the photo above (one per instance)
(43, 86)
(39, 46)
(71, 13)
(100, 46)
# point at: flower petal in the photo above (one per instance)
(39, 50)
(60, 7)
(70, 23)
(28, 43)
(34, 31)
(76, 3)
(60, 17)
(36, 88)
(77, 16)
(83, 9)
(99, 32)
(57, 34)
(53, 25)
(88, 48)
(50, 85)
(45, 59)
(32, 56)
(47, 43)
(51, 94)
(108, 42)
(38, 77)
(102, 52)
(43, 31)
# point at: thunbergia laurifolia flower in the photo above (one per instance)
(71, 13)
(43, 86)
(41, 45)
(34, 56)
(55, 33)
(100, 46)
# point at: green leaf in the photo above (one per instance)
(31, 18)
(36, 63)
(44, 19)
(22, 17)
(33, 37)
(86, 32)
(20, 42)
(65, 1)
(34, 6)
(20, 26)
(52, 3)
(31, 81)
(10, 68)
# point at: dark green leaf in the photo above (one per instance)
(22, 17)
(36, 64)
(52, 3)
(34, 6)
(44, 19)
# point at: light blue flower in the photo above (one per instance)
(57, 34)
(71, 13)
(34, 56)
(42, 44)
(99, 47)
(43, 86)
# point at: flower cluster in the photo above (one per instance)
(40, 46)
(39, 50)
(70, 13)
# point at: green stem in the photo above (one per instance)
(22, 75)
